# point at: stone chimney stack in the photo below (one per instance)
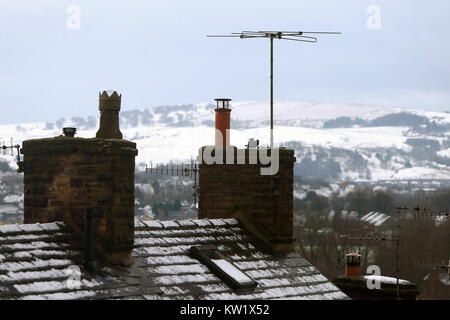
(254, 185)
(66, 177)
(236, 188)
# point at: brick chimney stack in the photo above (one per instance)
(262, 203)
(66, 178)
(235, 183)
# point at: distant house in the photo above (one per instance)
(11, 210)
(378, 221)
(375, 218)
(10, 213)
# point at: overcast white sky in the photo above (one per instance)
(157, 52)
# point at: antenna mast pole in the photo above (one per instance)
(271, 92)
(284, 35)
(398, 254)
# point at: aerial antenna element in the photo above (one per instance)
(303, 36)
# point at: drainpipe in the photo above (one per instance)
(89, 258)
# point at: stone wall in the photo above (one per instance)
(65, 177)
(239, 190)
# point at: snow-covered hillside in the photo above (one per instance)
(331, 141)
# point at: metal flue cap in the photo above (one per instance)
(353, 258)
(69, 132)
(222, 103)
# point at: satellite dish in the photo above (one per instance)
(252, 144)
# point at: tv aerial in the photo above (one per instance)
(444, 277)
(183, 170)
(302, 36)
(12, 147)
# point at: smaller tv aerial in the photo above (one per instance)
(423, 214)
(183, 170)
(444, 277)
(12, 147)
(302, 36)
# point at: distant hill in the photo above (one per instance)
(334, 142)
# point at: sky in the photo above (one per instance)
(56, 55)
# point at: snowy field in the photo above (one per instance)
(300, 121)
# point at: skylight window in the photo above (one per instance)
(222, 267)
(232, 270)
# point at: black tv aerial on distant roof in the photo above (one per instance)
(12, 147)
(304, 36)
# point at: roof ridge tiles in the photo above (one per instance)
(315, 293)
(202, 222)
(152, 224)
(31, 228)
(186, 223)
(9, 229)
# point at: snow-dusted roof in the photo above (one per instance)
(375, 218)
(37, 261)
(387, 280)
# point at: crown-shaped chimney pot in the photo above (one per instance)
(109, 106)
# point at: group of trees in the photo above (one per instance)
(164, 208)
(362, 201)
(162, 193)
(4, 167)
(322, 238)
(80, 123)
(417, 123)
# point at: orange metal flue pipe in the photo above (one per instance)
(223, 111)
(222, 127)
(353, 266)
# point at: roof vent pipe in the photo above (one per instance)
(89, 257)
(69, 132)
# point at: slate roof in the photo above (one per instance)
(375, 218)
(36, 260)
